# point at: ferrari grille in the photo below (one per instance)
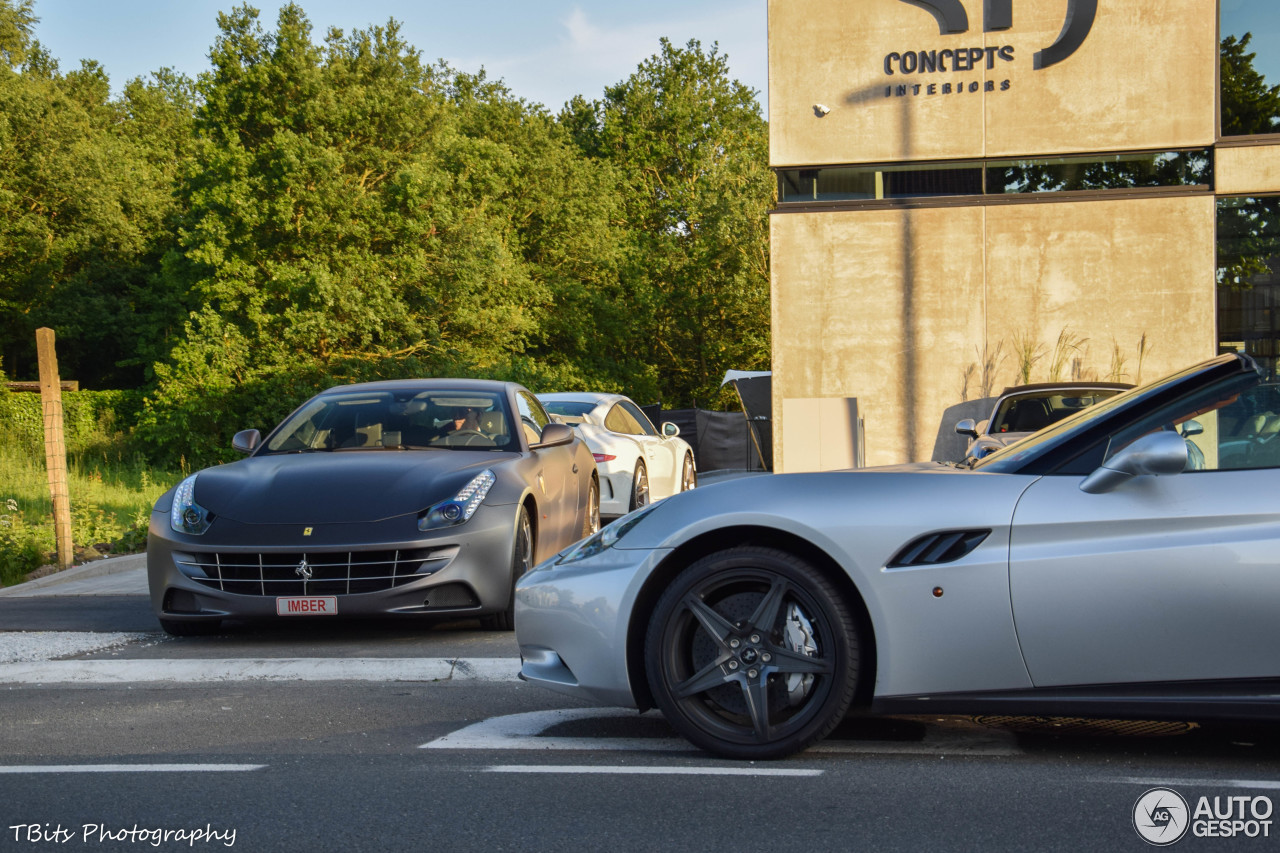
(313, 572)
(935, 548)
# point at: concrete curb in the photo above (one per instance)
(201, 671)
(96, 569)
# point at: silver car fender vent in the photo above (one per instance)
(934, 549)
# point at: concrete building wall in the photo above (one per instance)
(901, 305)
(902, 308)
(1144, 78)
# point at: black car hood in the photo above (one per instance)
(337, 486)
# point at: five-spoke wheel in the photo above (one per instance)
(688, 474)
(591, 524)
(639, 487)
(752, 653)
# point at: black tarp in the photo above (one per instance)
(720, 440)
(756, 394)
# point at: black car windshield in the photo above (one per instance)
(1036, 410)
(397, 420)
(1013, 457)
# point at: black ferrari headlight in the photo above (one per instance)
(187, 516)
(459, 508)
(606, 538)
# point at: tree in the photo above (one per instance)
(79, 207)
(692, 148)
(352, 214)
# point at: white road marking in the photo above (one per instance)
(1266, 784)
(524, 731)
(131, 768)
(196, 671)
(653, 771)
(521, 731)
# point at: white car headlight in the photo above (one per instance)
(606, 538)
(187, 516)
(459, 508)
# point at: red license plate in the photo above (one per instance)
(309, 605)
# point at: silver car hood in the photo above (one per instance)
(856, 515)
(337, 486)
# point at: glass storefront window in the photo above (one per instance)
(1249, 277)
(1250, 81)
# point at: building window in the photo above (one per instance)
(869, 183)
(1250, 80)
(1249, 277)
(1116, 172)
(1190, 169)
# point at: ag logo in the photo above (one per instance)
(998, 15)
(1161, 816)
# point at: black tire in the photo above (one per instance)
(521, 562)
(688, 475)
(722, 668)
(184, 628)
(591, 524)
(639, 487)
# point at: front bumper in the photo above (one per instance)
(239, 570)
(572, 623)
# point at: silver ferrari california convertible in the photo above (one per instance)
(1122, 562)
(406, 498)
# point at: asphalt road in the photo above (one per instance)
(342, 736)
(392, 766)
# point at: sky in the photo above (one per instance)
(546, 51)
(1262, 19)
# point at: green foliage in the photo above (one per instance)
(693, 291)
(111, 500)
(23, 547)
(314, 212)
(92, 421)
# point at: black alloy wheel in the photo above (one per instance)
(521, 562)
(752, 653)
(639, 487)
(688, 475)
(591, 524)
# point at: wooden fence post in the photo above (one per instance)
(55, 447)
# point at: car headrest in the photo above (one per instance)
(493, 423)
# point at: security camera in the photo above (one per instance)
(820, 110)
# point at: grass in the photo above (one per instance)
(111, 500)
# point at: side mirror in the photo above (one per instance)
(1191, 428)
(967, 427)
(1157, 454)
(670, 430)
(246, 441)
(554, 435)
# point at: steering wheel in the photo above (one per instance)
(467, 438)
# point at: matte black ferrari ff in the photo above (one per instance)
(404, 498)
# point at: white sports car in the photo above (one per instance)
(637, 463)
